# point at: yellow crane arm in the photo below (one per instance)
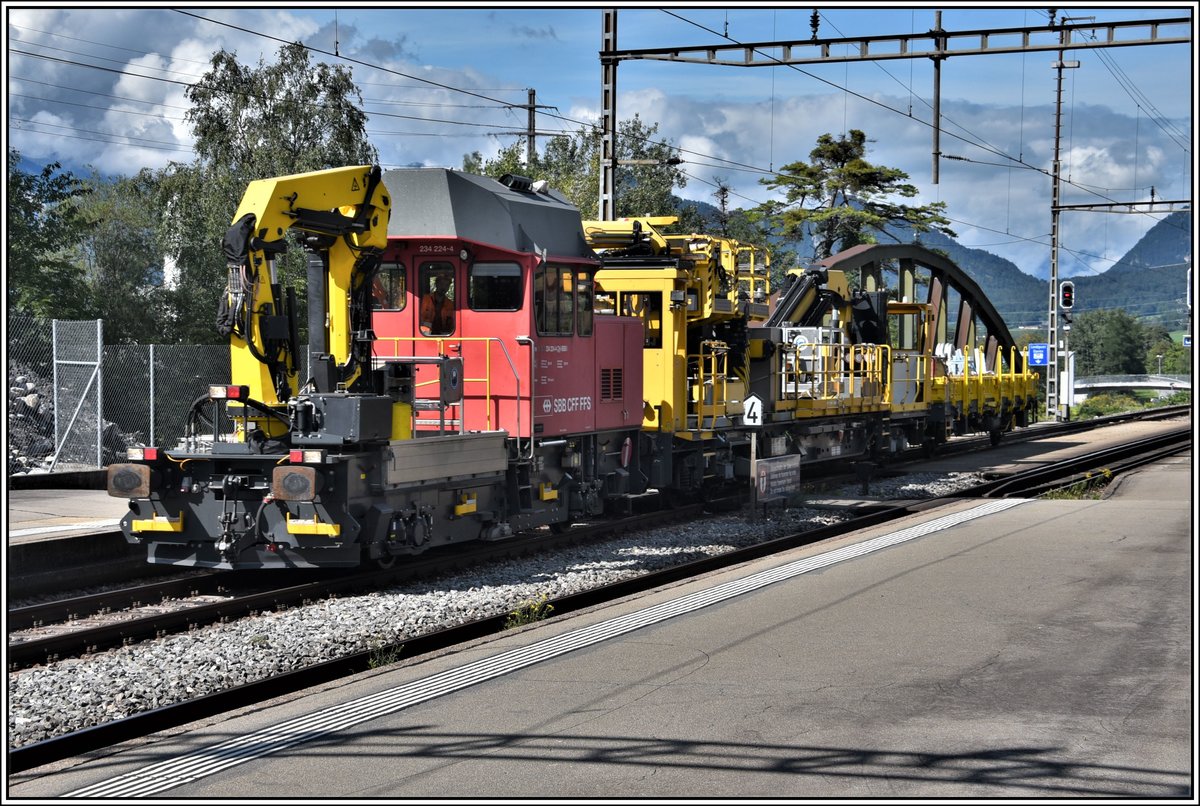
(344, 212)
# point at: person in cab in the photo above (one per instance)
(437, 308)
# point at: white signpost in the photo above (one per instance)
(752, 417)
(752, 411)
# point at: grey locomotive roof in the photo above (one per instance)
(443, 202)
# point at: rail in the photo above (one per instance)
(141, 724)
(1031, 482)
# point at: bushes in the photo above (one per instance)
(1107, 403)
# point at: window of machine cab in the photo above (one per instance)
(387, 289)
(494, 286)
(563, 303)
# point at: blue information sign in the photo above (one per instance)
(1039, 355)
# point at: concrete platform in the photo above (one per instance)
(44, 514)
(1031, 649)
(57, 537)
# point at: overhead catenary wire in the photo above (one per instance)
(732, 165)
(723, 163)
(978, 144)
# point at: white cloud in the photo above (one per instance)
(743, 117)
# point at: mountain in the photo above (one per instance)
(1149, 282)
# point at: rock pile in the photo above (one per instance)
(30, 420)
(31, 427)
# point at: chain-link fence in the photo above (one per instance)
(77, 404)
(78, 413)
(160, 382)
(30, 410)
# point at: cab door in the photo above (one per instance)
(564, 383)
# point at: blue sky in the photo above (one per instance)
(102, 87)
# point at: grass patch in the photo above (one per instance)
(1091, 487)
(384, 655)
(529, 611)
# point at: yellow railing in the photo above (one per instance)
(711, 386)
(853, 376)
(921, 382)
(455, 344)
(984, 387)
(752, 271)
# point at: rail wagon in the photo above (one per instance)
(482, 362)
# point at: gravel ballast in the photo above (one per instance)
(69, 695)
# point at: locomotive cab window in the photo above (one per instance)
(494, 287)
(387, 289)
(436, 282)
(584, 290)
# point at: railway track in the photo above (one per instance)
(1032, 482)
(50, 631)
(54, 630)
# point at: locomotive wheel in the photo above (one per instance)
(558, 527)
(386, 563)
(995, 435)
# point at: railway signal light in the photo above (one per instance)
(1066, 295)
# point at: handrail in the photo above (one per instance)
(832, 369)
(714, 353)
(486, 379)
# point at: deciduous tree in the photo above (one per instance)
(123, 258)
(1107, 342)
(571, 165)
(288, 117)
(42, 225)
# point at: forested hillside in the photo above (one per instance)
(1149, 282)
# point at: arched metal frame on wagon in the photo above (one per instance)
(944, 277)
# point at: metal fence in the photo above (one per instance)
(29, 424)
(163, 380)
(77, 404)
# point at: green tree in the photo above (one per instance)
(571, 165)
(123, 257)
(1176, 359)
(841, 200)
(646, 188)
(1107, 342)
(287, 117)
(42, 224)
(277, 119)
